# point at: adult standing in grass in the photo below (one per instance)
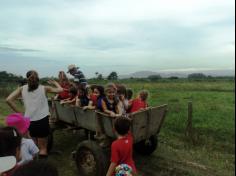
(36, 107)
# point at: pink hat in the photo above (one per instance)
(18, 121)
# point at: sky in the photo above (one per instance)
(116, 35)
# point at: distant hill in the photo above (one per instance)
(180, 74)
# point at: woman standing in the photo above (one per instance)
(36, 107)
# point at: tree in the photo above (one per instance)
(174, 77)
(197, 76)
(154, 77)
(112, 76)
(100, 77)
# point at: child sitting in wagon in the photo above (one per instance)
(82, 98)
(96, 98)
(139, 103)
(110, 102)
(72, 97)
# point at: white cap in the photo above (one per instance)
(7, 163)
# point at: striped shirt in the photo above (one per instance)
(79, 78)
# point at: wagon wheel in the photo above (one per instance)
(147, 147)
(91, 159)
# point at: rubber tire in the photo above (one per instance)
(147, 147)
(50, 140)
(99, 156)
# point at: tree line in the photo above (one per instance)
(9, 78)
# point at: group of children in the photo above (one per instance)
(114, 100)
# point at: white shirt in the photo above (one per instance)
(28, 150)
(35, 102)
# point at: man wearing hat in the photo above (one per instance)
(79, 77)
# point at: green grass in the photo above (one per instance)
(210, 152)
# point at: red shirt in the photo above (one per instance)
(65, 93)
(93, 98)
(122, 151)
(138, 104)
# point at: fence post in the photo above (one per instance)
(189, 128)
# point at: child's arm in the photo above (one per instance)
(90, 106)
(77, 102)
(64, 101)
(104, 108)
(119, 109)
(69, 101)
(111, 169)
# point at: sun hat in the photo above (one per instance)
(18, 121)
(7, 163)
(123, 170)
(71, 67)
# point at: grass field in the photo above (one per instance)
(211, 151)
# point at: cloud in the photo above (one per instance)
(153, 34)
(3, 49)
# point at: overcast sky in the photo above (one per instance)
(116, 35)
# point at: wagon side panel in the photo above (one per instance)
(86, 119)
(140, 125)
(157, 118)
(65, 113)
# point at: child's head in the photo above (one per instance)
(123, 170)
(10, 142)
(82, 92)
(110, 91)
(36, 168)
(62, 76)
(121, 92)
(99, 91)
(18, 121)
(73, 91)
(143, 95)
(122, 125)
(129, 93)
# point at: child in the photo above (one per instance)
(28, 148)
(82, 98)
(72, 97)
(129, 93)
(122, 148)
(123, 101)
(139, 103)
(110, 102)
(65, 84)
(96, 98)
(10, 144)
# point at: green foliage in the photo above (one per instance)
(112, 76)
(8, 78)
(197, 76)
(154, 77)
